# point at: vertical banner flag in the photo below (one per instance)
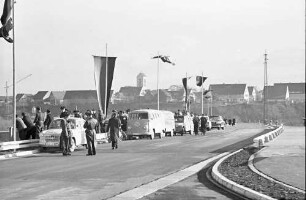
(6, 21)
(200, 80)
(185, 87)
(101, 75)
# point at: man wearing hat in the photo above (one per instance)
(90, 126)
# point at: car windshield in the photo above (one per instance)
(215, 118)
(56, 124)
(136, 116)
(179, 119)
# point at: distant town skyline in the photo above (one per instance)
(224, 40)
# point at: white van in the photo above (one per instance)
(169, 122)
(146, 123)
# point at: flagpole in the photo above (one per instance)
(186, 99)
(106, 69)
(158, 82)
(14, 77)
(202, 92)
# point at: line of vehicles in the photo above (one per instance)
(143, 123)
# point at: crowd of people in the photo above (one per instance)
(95, 122)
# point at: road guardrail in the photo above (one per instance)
(261, 140)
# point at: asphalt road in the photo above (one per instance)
(110, 172)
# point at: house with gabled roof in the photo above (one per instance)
(276, 93)
(130, 94)
(41, 96)
(253, 93)
(85, 99)
(24, 99)
(164, 95)
(296, 91)
(230, 93)
(56, 98)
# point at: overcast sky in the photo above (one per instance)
(225, 40)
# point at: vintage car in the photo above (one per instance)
(51, 137)
(183, 124)
(217, 122)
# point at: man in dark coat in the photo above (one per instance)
(65, 135)
(196, 124)
(90, 126)
(113, 127)
(48, 119)
(31, 129)
(203, 124)
(22, 128)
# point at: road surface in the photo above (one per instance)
(110, 172)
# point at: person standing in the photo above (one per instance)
(101, 118)
(22, 128)
(48, 119)
(31, 129)
(113, 128)
(203, 124)
(65, 135)
(63, 111)
(196, 124)
(38, 121)
(90, 126)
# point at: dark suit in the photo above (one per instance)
(48, 120)
(31, 129)
(90, 131)
(113, 128)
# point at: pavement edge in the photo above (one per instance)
(18, 154)
(247, 192)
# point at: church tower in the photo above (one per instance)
(141, 80)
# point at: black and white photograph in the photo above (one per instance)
(152, 99)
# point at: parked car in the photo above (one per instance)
(183, 124)
(217, 122)
(51, 137)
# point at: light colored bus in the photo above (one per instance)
(169, 122)
(146, 123)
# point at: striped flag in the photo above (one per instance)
(101, 75)
(164, 59)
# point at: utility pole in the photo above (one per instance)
(265, 109)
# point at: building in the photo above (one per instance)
(41, 96)
(141, 80)
(230, 93)
(24, 100)
(296, 91)
(81, 99)
(56, 98)
(285, 92)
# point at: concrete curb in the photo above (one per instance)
(18, 154)
(261, 140)
(253, 168)
(247, 192)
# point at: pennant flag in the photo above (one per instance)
(6, 21)
(185, 87)
(200, 80)
(164, 59)
(103, 78)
